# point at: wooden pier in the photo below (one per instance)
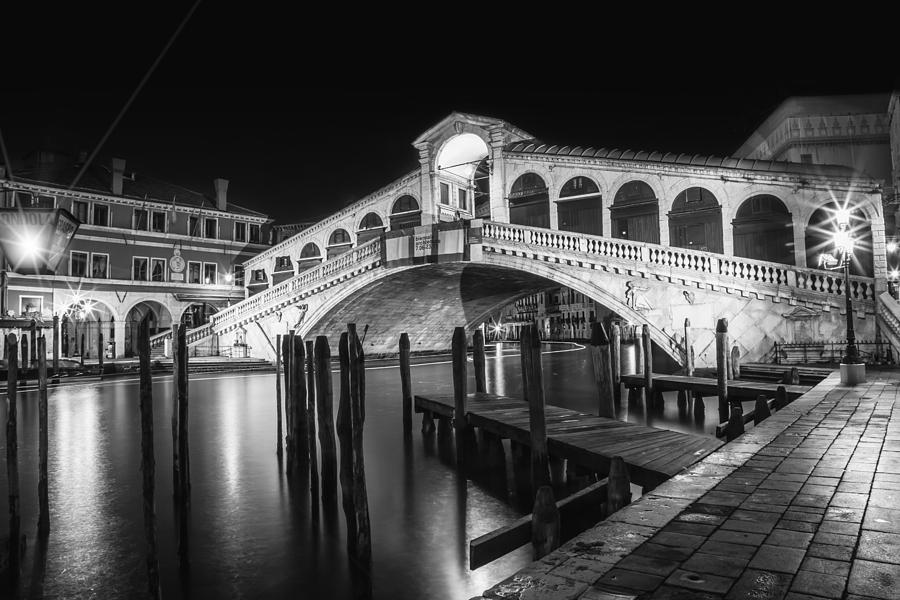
(653, 455)
(706, 386)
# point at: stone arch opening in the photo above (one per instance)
(764, 230)
(197, 314)
(310, 256)
(82, 323)
(405, 213)
(160, 319)
(635, 213)
(695, 221)
(529, 201)
(370, 227)
(820, 238)
(580, 206)
(338, 242)
(461, 167)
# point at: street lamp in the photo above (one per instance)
(853, 370)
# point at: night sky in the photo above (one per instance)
(309, 110)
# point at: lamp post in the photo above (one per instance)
(853, 370)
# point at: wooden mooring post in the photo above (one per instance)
(278, 433)
(615, 354)
(16, 542)
(148, 463)
(100, 354)
(545, 526)
(464, 434)
(56, 345)
(533, 386)
(722, 368)
(176, 464)
(735, 426)
(180, 358)
(602, 363)
(406, 384)
(735, 363)
(761, 410)
(286, 345)
(24, 363)
(650, 396)
(324, 401)
(780, 397)
(358, 417)
(298, 448)
(43, 481)
(345, 439)
(619, 491)
(311, 422)
(478, 361)
(688, 349)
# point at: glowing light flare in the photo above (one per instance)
(842, 216)
(895, 274)
(843, 241)
(228, 277)
(892, 246)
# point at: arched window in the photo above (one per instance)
(310, 256)
(635, 213)
(529, 201)
(580, 206)
(696, 221)
(370, 227)
(763, 230)
(338, 242)
(820, 238)
(405, 213)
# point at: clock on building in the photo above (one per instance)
(176, 263)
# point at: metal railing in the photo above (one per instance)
(873, 353)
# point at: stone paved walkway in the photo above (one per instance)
(806, 505)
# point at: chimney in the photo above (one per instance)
(221, 186)
(118, 173)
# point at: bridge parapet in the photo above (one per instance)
(772, 279)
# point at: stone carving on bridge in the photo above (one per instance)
(689, 296)
(635, 298)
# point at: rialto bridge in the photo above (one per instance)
(493, 214)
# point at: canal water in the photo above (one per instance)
(253, 533)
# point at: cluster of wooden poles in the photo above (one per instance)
(535, 470)
(308, 410)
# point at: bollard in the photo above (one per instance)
(544, 523)
(761, 410)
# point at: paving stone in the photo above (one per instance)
(797, 465)
(667, 592)
(879, 580)
(853, 486)
(664, 552)
(818, 490)
(827, 472)
(842, 527)
(738, 537)
(814, 500)
(879, 546)
(595, 593)
(646, 564)
(701, 529)
(752, 521)
(545, 586)
(581, 569)
(679, 540)
(844, 553)
(630, 580)
(849, 500)
(710, 509)
(819, 584)
(824, 565)
(797, 526)
(760, 585)
(857, 476)
(692, 517)
(838, 513)
(724, 498)
(882, 519)
(794, 477)
(703, 582)
(791, 539)
(777, 558)
(728, 549)
(884, 498)
(819, 480)
(835, 539)
(775, 484)
(725, 566)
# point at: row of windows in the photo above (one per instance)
(142, 219)
(96, 265)
(462, 196)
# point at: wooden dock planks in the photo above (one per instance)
(653, 455)
(707, 386)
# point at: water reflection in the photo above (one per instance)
(251, 529)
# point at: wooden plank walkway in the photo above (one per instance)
(707, 386)
(653, 455)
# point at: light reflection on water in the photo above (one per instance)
(252, 533)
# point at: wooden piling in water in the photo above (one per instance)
(615, 355)
(735, 362)
(100, 353)
(345, 439)
(600, 357)
(545, 536)
(792, 377)
(83, 350)
(278, 433)
(24, 342)
(735, 425)
(688, 349)
(357, 416)
(299, 425)
(648, 365)
(148, 463)
(32, 330)
(761, 410)
(12, 457)
(180, 357)
(478, 360)
(325, 412)
(460, 392)
(312, 448)
(286, 345)
(533, 385)
(55, 345)
(176, 476)
(780, 397)
(722, 368)
(43, 482)
(619, 490)
(638, 355)
(406, 384)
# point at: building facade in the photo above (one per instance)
(144, 247)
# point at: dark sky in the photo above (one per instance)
(307, 110)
